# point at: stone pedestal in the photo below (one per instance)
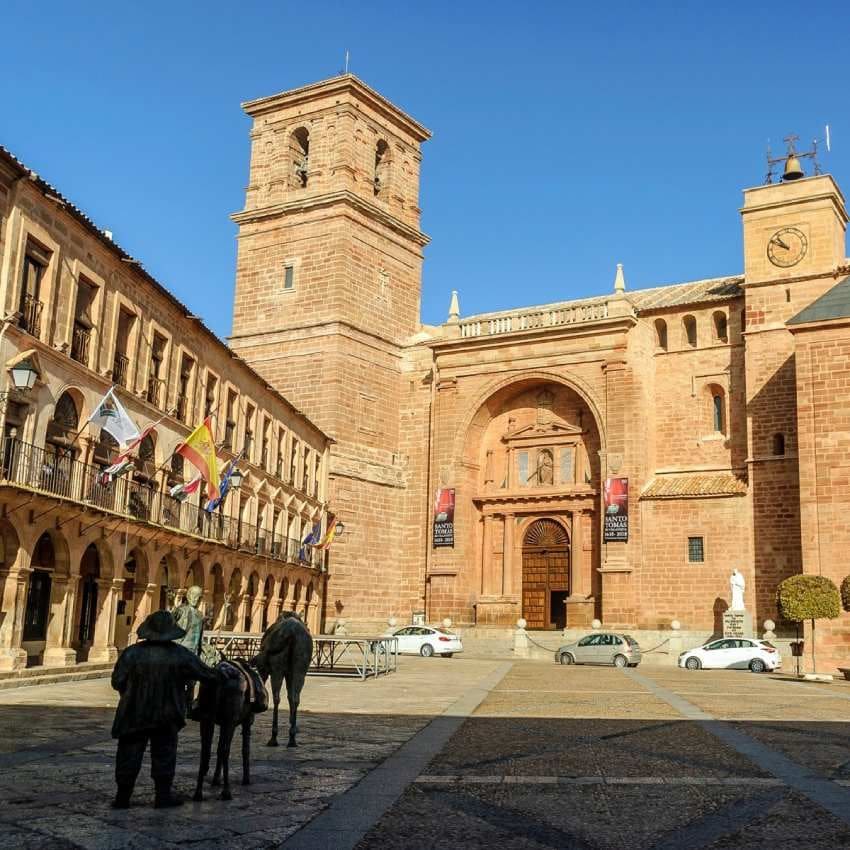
(579, 612)
(737, 624)
(521, 643)
(12, 659)
(59, 656)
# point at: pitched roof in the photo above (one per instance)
(834, 304)
(694, 485)
(22, 170)
(681, 294)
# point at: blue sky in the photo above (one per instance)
(567, 137)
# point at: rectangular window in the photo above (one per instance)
(567, 473)
(121, 361)
(184, 405)
(305, 471)
(522, 468)
(210, 395)
(317, 476)
(289, 277)
(230, 422)
(293, 462)
(248, 444)
(155, 394)
(696, 550)
(83, 312)
(36, 260)
(281, 442)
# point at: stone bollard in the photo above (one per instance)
(674, 647)
(521, 639)
(769, 633)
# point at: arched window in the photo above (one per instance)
(661, 334)
(299, 149)
(66, 414)
(382, 166)
(105, 449)
(721, 327)
(689, 324)
(778, 444)
(717, 412)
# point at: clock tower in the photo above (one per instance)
(794, 245)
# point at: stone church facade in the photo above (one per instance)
(720, 401)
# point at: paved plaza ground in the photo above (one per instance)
(464, 752)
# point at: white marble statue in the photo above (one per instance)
(736, 586)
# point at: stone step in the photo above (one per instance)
(53, 675)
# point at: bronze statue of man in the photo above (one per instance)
(189, 618)
(151, 677)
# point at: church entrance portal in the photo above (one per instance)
(545, 575)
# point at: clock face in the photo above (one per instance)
(787, 247)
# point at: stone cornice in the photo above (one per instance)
(344, 83)
(327, 199)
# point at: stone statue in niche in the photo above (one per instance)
(545, 468)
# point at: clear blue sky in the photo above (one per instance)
(567, 137)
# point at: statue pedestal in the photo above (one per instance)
(737, 624)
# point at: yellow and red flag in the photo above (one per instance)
(199, 450)
(334, 527)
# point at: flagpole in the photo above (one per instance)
(109, 392)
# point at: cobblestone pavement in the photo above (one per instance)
(464, 753)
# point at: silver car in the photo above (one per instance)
(601, 648)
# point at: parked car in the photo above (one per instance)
(733, 654)
(426, 641)
(601, 648)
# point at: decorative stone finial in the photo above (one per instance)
(619, 279)
(454, 309)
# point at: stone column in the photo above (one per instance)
(57, 650)
(274, 609)
(103, 647)
(241, 609)
(579, 606)
(14, 584)
(144, 607)
(487, 557)
(257, 614)
(508, 555)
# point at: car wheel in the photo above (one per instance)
(693, 663)
(566, 658)
(426, 650)
(757, 665)
(621, 661)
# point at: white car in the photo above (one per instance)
(423, 640)
(733, 654)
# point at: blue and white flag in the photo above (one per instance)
(112, 418)
(310, 539)
(224, 485)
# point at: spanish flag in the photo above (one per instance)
(330, 534)
(199, 450)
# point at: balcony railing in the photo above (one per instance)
(30, 318)
(80, 344)
(154, 390)
(63, 476)
(182, 407)
(120, 370)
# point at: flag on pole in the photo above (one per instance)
(112, 418)
(199, 450)
(181, 492)
(330, 534)
(310, 539)
(224, 487)
(123, 461)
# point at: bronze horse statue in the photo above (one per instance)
(231, 703)
(285, 654)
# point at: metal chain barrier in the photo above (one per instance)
(643, 651)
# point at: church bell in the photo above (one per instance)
(793, 169)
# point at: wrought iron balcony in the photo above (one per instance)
(80, 344)
(57, 472)
(120, 369)
(154, 390)
(30, 317)
(182, 407)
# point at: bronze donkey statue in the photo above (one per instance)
(285, 655)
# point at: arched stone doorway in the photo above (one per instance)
(88, 608)
(545, 575)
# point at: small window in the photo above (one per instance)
(721, 327)
(717, 409)
(661, 334)
(522, 468)
(689, 323)
(778, 444)
(696, 550)
(289, 277)
(567, 472)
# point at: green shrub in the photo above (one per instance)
(845, 593)
(806, 597)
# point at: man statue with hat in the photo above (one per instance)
(151, 677)
(190, 619)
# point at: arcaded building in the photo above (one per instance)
(83, 560)
(711, 412)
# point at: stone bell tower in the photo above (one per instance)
(328, 284)
(794, 240)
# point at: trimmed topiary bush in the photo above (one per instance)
(845, 593)
(805, 597)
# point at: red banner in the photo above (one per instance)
(615, 527)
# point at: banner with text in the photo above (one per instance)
(615, 528)
(444, 518)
